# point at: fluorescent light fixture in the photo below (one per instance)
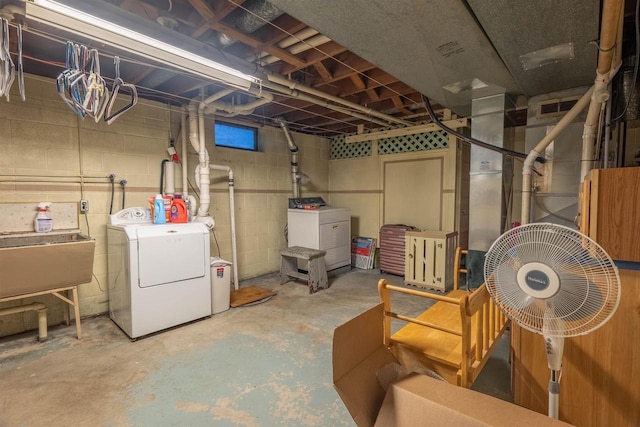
(547, 56)
(89, 26)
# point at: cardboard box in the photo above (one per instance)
(358, 357)
(36, 262)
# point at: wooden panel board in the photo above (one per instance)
(249, 295)
(615, 211)
(600, 371)
(413, 193)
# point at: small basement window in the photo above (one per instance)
(236, 136)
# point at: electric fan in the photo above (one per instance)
(554, 281)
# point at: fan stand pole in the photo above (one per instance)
(554, 394)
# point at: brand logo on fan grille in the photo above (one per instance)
(537, 280)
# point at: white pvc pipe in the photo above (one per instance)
(193, 126)
(294, 39)
(169, 178)
(315, 92)
(303, 46)
(185, 176)
(539, 149)
(213, 106)
(218, 95)
(203, 157)
(324, 103)
(36, 306)
(232, 212)
(610, 48)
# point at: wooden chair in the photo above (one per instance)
(454, 337)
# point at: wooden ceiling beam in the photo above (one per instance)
(397, 102)
(223, 9)
(209, 15)
(322, 70)
(357, 81)
(311, 57)
(203, 8)
(373, 94)
(347, 67)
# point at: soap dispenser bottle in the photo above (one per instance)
(43, 223)
(158, 210)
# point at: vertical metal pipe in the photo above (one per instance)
(295, 181)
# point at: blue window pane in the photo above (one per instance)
(235, 136)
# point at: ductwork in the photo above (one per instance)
(295, 178)
(253, 15)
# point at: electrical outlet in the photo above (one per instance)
(84, 205)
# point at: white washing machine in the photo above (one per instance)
(158, 275)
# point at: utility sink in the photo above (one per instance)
(36, 262)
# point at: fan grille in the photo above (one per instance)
(589, 290)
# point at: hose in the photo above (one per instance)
(123, 183)
(470, 140)
(112, 178)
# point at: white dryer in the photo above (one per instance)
(158, 275)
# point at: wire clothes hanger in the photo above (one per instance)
(20, 67)
(7, 71)
(68, 76)
(97, 94)
(119, 84)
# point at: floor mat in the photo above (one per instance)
(249, 295)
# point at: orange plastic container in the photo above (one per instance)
(179, 210)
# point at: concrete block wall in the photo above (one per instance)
(47, 153)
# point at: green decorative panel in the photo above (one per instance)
(418, 142)
(342, 150)
(393, 145)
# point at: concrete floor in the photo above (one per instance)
(262, 365)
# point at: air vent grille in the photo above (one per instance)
(555, 107)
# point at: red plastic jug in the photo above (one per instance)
(179, 210)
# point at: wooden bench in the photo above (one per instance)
(454, 337)
(316, 276)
